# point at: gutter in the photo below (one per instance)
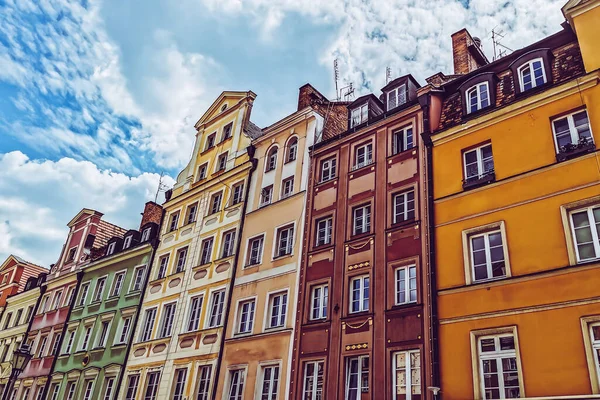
(254, 161)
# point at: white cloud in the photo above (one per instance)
(38, 198)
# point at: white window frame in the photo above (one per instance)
(109, 388)
(406, 286)
(131, 389)
(56, 299)
(124, 330)
(251, 260)
(202, 389)
(359, 388)
(194, 314)
(323, 302)
(155, 385)
(316, 386)
(573, 133)
(191, 213)
(287, 189)
(180, 259)
(589, 210)
(70, 392)
(363, 151)
(245, 307)
(127, 242)
(111, 248)
(220, 158)
(477, 88)
(359, 115)
(70, 339)
(207, 144)
(271, 159)
(210, 241)
(148, 321)
(529, 64)
(237, 377)
(228, 243)
(362, 296)
(165, 326)
(489, 270)
(324, 231)
(365, 226)
(402, 134)
(266, 195)
(163, 265)
(399, 95)
(288, 248)
(407, 373)
(237, 193)
(85, 290)
(279, 312)
(202, 170)
(145, 234)
(328, 169)
(291, 148)
(174, 221)
(214, 312)
(403, 198)
(133, 278)
(272, 384)
(179, 383)
(88, 389)
(497, 355)
(216, 195)
(86, 337)
(103, 334)
(116, 287)
(480, 162)
(98, 294)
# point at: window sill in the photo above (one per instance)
(289, 161)
(356, 168)
(254, 265)
(319, 183)
(574, 151)
(483, 281)
(322, 246)
(480, 181)
(218, 172)
(404, 223)
(207, 150)
(118, 345)
(282, 256)
(403, 152)
(133, 293)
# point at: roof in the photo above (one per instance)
(362, 99)
(399, 80)
(253, 131)
(105, 232)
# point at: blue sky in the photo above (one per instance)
(98, 97)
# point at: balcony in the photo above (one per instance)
(479, 180)
(569, 151)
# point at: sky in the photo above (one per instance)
(98, 98)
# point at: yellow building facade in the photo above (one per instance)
(516, 177)
(178, 339)
(259, 336)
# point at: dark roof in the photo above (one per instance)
(399, 80)
(253, 131)
(362, 99)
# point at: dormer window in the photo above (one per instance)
(111, 248)
(532, 74)
(359, 115)
(127, 242)
(477, 97)
(396, 97)
(145, 234)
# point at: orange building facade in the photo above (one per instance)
(516, 177)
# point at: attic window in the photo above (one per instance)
(359, 115)
(224, 107)
(127, 242)
(111, 249)
(146, 234)
(396, 97)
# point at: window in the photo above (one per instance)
(246, 316)
(55, 344)
(217, 302)
(206, 254)
(44, 305)
(477, 97)
(181, 257)
(179, 383)
(255, 250)
(210, 141)
(287, 187)
(404, 206)
(359, 294)
(174, 221)
(166, 324)
(163, 263)
(18, 316)
(54, 391)
(138, 277)
(406, 284)
(85, 340)
(572, 130)
(292, 150)
(498, 368)
(222, 162)
(152, 382)
(71, 255)
(149, 319)
(323, 234)
(190, 213)
(402, 140)
(328, 169)
(202, 172)
(396, 97)
(99, 291)
(111, 248)
(7, 320)
(271, 161)
(270, 382)
(215, 202)
(228, 244)
(70, 391)
(406, 370)
(227, 131)
(277, 310)
(487, 256)
(359, 115)
(479, 163)
(532, 74)
(26, 392)
(285, 241)
(117, 284)
(357, 377)
(41, 350)
(585, 225)
(132, 386)
(318, 309)
(361, 217)
(110, 386)
(203, 382)
(84, 292)
(125, 327)
(57, 297)
(238, 193)
(236, 384)
(194, 313)
(363, 155)
(127, 242)
(30, 313)
(70, 339)
(145, 234)
(266, 195)
(312, 387)
(104, 327)
(87, 393)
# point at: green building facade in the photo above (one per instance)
(97, 339)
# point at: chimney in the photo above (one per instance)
(152, 213)
(308, 95)
(467, 53)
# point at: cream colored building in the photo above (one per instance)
(178, 337)
(259, 333)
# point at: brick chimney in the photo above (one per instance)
(467, 53)
(152, 213)
(307, 95)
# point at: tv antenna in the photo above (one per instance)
(161, 187)
(347, 92)
(500, 50)
(388, 74)
(336, 77)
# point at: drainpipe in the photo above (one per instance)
(254, 161)
(433, 321)
(155, 243)
(62, 335)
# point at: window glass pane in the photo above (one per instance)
(538, 72)
(526, 77)
(487, 345)
(484, 95)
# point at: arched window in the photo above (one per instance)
(477, 97)
(292, 150)
(532, 74)
(271, 159)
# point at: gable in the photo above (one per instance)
(229, 98)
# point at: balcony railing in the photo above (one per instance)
(362, 164)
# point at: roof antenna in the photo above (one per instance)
(388, 74)
(336, 77)
(348, 92)
(161, 187)
(499, 49)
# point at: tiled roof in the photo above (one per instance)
(105, 231)
(253, 130)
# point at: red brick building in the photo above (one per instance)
(14, 273)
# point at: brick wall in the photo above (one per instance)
(567, 63)
(152, 213)
(335, 113)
